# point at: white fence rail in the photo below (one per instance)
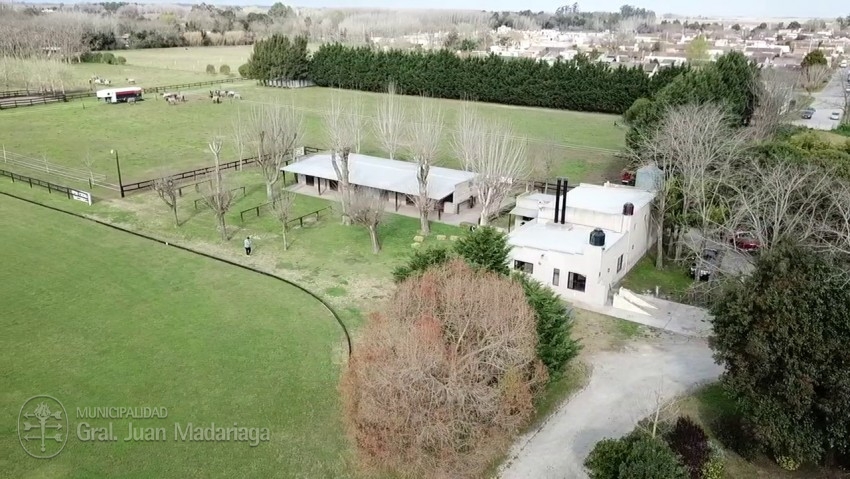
(44, 166)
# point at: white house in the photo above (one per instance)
(582, 241)
(451, 190)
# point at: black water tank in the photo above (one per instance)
(597, 237)
(628, 209)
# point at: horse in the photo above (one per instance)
(216, 99)
(131, 81)
(172, 100)
(237, 96)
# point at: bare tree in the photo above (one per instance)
(664, 410)
(497, 158)
(282, 208)
(240, 136)
(813, 77)
(366, 208)
(444, 376)
(88, 162)
(166, 188)
(543, 162)
(218, 196)
(389, 122)
(784, 200)
(340, 129)
(775, 91)
(424, 138)
(356, 122)
(275, 131)
(702, 146)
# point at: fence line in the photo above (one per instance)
(200, 172)
(300, 219)
(71, 193)
(44, 166)
(8, 100)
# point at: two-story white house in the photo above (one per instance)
(582, 241)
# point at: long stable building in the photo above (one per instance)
(451, 190)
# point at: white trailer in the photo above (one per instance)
(116, 95)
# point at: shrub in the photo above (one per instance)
(788, 463)
(120, 60)
(605, 458)
(636, 456)
(736, 435)
(244, 70)
(420, 261)
(224, 69)
(211, 69)
(555, 345)
(444, 376)
(690, 442)
(487, 248)
(91, 57)
(107, 58)
(713, 469)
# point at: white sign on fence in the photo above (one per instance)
(81, 196)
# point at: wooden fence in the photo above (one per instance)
(11, 98)
(200, 201)
(71, 193)
(318, 212)
(200, 172)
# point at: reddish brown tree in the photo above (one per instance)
(441, 380)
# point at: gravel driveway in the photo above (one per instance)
(623, 388)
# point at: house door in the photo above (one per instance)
(310, 180)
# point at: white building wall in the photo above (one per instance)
(639, 234)
(597, 264)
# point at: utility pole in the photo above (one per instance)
(118, 167)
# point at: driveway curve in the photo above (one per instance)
(623, 388)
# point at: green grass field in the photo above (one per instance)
(99, 318)
(152, 136)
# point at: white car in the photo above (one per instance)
(836, 115)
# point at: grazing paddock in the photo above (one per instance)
(116, 320)
(192, 59)
(155, 138)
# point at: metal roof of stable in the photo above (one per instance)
(382, 173)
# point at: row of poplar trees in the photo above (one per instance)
(579, 84)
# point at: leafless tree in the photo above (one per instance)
(542, 157)
(240, 136)
(88, 162)
(282, 208)
(166, 188)
(784, 200)
(775, 90)
(355, 120)
(367, 208)
(494, 154)
(424, 138)
(389, 122)
(218, 196)
(340, 128)
(444, 376)
(703, 149)
(274, 131)
(664, 410)
(814, 77)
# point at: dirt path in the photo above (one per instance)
(623, 388)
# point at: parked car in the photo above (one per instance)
(745, 241)
(843, 64)
(836, 115)
(627, 178)
(808, 113)
(709, 263)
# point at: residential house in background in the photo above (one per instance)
(581, 241)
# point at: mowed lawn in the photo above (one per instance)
(99, 318)
(153, 137)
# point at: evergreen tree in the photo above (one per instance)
(486, 248)
(278, 57)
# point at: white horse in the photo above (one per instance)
(131, 81)
(237, 96)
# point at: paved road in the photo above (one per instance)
(622, 390)
(827, 101)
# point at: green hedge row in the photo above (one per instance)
(579, 84)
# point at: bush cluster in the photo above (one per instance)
(97, 57)
(211, 69)
(487, 248)
(224, 69)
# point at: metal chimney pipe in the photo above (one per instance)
(564, 204)
(557, 199)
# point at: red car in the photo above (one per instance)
(627, 178)
(745, 241)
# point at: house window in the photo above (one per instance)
(620, 263)
(556, 277)
(576, 281)
(524, 267)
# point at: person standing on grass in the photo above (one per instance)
(248, 246)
